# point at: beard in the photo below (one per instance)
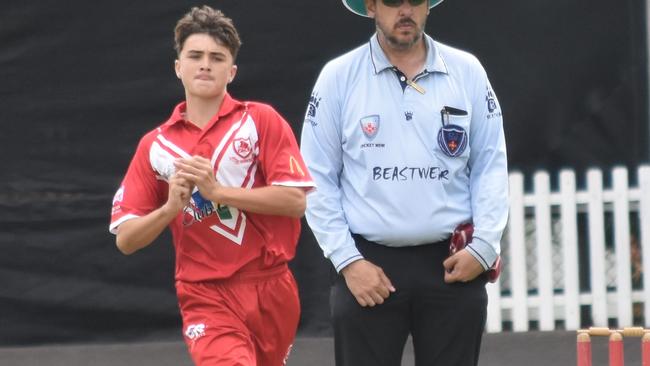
(398, 41)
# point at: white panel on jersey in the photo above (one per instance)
(161, 161)
(173, 147)
(237, 164)
(238, 155)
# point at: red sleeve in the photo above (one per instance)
(140, 191)
(279, 154)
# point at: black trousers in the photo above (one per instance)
(446, 321)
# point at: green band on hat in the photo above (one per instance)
(359, 6)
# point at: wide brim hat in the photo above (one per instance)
(359, 6)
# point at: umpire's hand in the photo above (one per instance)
(367, 282)
(462, 267)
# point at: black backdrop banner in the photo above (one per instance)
(81, 81)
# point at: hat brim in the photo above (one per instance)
(359, 6)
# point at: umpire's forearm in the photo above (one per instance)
(135, 234)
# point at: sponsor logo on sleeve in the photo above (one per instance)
(119, 195)
(294, 166)
(492, 106)
(117, 199)
(312, 108)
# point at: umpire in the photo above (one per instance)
(404, 138)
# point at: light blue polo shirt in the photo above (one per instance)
(403, 167)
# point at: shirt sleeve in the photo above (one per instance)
(488, 172)
(139, 192)
(279, 156)
(322, 150)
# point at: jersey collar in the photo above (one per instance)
(434, 61)
(228, 105)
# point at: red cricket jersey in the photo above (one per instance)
(250, 145)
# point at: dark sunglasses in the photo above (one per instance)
(396, 3)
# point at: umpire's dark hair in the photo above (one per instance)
(209, 21)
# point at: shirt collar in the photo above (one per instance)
(434, 61)
(228, 105)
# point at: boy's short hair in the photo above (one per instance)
(207, 20)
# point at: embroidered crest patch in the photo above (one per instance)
(242, 147)
(370, 126)
(452, 140)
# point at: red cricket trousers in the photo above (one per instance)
(249, 319)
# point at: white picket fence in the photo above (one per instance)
(540, 286)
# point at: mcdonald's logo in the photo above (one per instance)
(293, 162)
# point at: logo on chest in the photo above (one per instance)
(370, 126)
(242, 147)
(452, 138)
